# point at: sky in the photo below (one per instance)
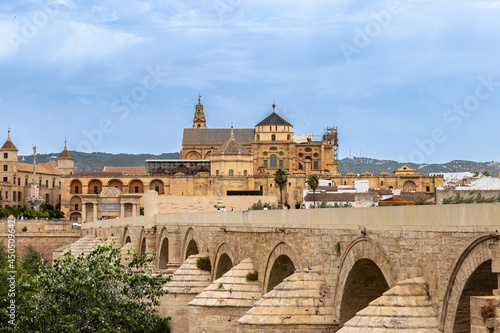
(406, 80)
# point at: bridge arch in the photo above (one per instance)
(190, 244)
(361, 256)
(163, 254)
(143, 246)
(126, 237)
(469, 277)
(223, 261)
(281, 263)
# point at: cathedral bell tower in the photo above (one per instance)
(199, 117)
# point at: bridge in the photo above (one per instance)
(317, 268)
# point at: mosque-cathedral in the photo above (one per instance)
(242, 161)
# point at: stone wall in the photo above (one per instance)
(214, 319)
(176, 204)
(444, 194)
(481, 309)
(176, 306)
(44, 242)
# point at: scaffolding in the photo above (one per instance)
(331, 136)
(174, 167)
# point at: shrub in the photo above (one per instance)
(204, 264)
(24, 229)
(487, 311)
(252, 276)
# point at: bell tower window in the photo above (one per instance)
(273, 137)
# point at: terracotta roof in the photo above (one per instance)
(328, 188)
(336, 197)
(137, 170)
(8, 145)
(96, 174)
(414, 196)
(45, 168)
(330, 197)
(231, 147)
(216, 136)
(274, 119)
(381, 191)
(65, 154)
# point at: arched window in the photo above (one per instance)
(231, 172)
(199, 126)
(273, 137)
(273, 161)
(300, 166)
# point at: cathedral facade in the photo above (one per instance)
(271, 143)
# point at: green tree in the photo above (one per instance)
(7, 211)
(280, 178)
(486, 173)
(16, 285)
(95, 293)
(32, 261)
(313, 182)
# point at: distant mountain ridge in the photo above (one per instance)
(358, 165)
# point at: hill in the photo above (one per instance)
(363, 164)
(97, 161)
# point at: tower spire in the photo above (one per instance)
(274, 107)
(232, 133)
(199, 120)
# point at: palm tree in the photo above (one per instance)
(313, 183)
(280, 178)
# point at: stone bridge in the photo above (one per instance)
(316, 268)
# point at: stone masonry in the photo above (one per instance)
(361, 253)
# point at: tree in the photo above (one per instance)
(313, 183)
(280, 178)
(7, 211)
(32, 261)
(486, 173)
(95, 293)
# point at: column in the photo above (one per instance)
(94, 205)
(84, 211)
(134, 209)
(122, 210)
(495, 261)
(150, 212)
